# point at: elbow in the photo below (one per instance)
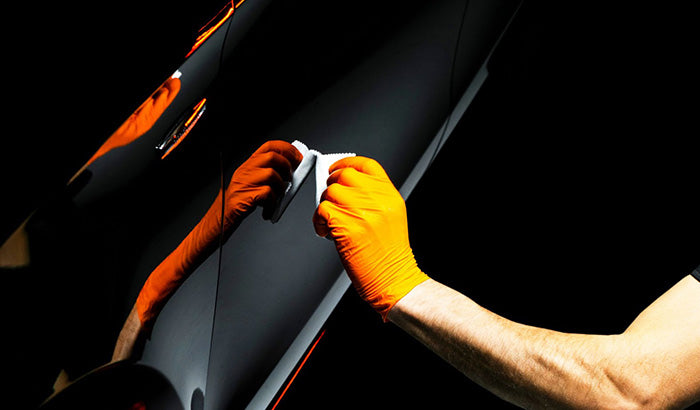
(636, 393)
(635, 401)
(653, 396)
(611, 398)
(634, 379)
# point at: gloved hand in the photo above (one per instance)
(260, 180)
(142, 119)
(366, 217)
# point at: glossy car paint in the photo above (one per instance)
(385, 92)
(282, 110)
(389, 107)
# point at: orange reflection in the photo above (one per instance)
(209, 29)
(298, 370)
(259, 181)
(142, 119)
(197, 112)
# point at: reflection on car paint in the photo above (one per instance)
(212, 25)
(140, 121)
(181, 129)
(294, 376)
(141, 182)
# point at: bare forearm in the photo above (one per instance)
(528, 366)
(655, 363)
(129, 336)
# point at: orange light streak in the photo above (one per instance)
(204, 36)
(193, 119)
(196, 111)
(298, 369)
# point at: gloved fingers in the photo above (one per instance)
(260, 187)
(322, 217)
(342, 194)
(289, 151)
(165, 95)
(173, 86)
(348, 177)
(273, 160)
(149, 112)
(263, 178)
(268, 199)
(362, 164)
(246, 199)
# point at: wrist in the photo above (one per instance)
(236, 208)
(390, 287)
(406, 306)
(133, 323)
(130, 337)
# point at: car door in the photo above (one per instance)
(390, 84)
(395, 96)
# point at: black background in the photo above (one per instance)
(566, 197)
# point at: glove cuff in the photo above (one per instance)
(397, 285)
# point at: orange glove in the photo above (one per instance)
(366, 217)
(142, 119)
(260, 180)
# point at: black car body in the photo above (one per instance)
(390, 84)
(392, 80)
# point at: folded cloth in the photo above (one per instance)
(312, 159)
(300, 174)
(323, 162)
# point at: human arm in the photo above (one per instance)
(130, 337)
(165, 279)
(655, 363)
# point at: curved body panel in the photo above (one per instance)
(390, 84)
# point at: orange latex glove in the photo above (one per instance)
(260, 180)
(366, 217)
(142, 119)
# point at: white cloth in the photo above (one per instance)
(323, 162)
(311, 159)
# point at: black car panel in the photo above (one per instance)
(275, 277)
(382, 85)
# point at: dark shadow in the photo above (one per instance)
(117, 386)
(197, 402)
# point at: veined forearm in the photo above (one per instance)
(654, 364)
(528, 366)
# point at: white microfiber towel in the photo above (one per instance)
(311, 159)
(323, 162)
(300, 174)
